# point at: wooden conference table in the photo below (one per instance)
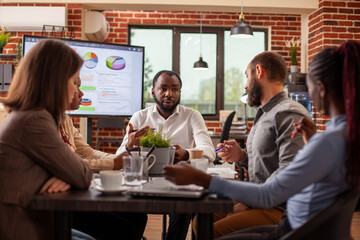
(91, 200)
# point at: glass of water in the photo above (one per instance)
(133, 169)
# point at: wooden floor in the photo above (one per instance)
(154, 227)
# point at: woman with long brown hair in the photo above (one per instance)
(31, 150)
(329, 163)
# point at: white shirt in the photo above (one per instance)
(185, 127)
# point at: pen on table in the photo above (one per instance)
(218, 149)
(128, 151)
(151, 150)
(152, 129)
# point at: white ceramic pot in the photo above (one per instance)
(293, 68)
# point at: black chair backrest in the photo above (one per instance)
(110, 122)
(226, 128)
(331, 223)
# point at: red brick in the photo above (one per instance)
(126, 15)
(121, 19)
(353, 4)
(74, 16)
(337, 16)
(57, 5)
(154, 15)
(217, 22)
(112, 14)
(354, 30)
(134, 20)
(357, 11)
(357, 24)
(330, 22)
(210, 16)
(195, 16)
(338, 4)
(346, 36)
(213, 124)
(12, 5)
(122, 30)
(331, 35)
(338, 29)
(77, 11)
(277, 37)
(281, 33)
(353, 17)
(295, 24)
(337, 41)
(182, 15)
(224, 17)
(42, 5)
(114, 24)
(330, 10)
(152, 21)
(77, 23)
(347, 11)
(345, 23)
(175, 21)
(168, 15)
(162, 21)
(248, 18)
(277, 18)
(112, 35)
(74, 5)
(187, 21)
(140, 15)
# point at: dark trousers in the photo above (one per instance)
(269, 232)
(178, 226)
(110, 225)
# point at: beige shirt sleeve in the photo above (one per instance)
(96, 160)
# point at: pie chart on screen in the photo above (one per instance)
(90, 60)
(115, 62)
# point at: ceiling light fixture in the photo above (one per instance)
(200, 64)
(241, 29)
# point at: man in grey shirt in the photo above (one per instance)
(270, 146)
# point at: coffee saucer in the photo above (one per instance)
(121, 189)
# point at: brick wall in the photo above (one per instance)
(333, 23)
(281, 26)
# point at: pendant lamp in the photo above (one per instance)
(200, 64)
(241, 29)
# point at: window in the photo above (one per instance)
(178, 48)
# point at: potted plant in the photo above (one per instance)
(293, 47)
(4, 38)
(162, 151)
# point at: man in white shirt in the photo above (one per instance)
(184, 126)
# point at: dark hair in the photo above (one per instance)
(273, 63)
(339, 70)
(41, 79)
(167, 72)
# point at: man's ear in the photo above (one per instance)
(152, 92)
(259, 71)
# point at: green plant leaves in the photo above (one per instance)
(154, 138)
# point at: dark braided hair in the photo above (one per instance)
(339, 70)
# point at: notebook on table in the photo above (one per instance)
(160, 187)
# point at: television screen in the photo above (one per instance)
(111, 77)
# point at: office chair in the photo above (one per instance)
(225, 133)
(331, 223)
(107, 122)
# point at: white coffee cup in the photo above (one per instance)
(110, 179)
(200, 163)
